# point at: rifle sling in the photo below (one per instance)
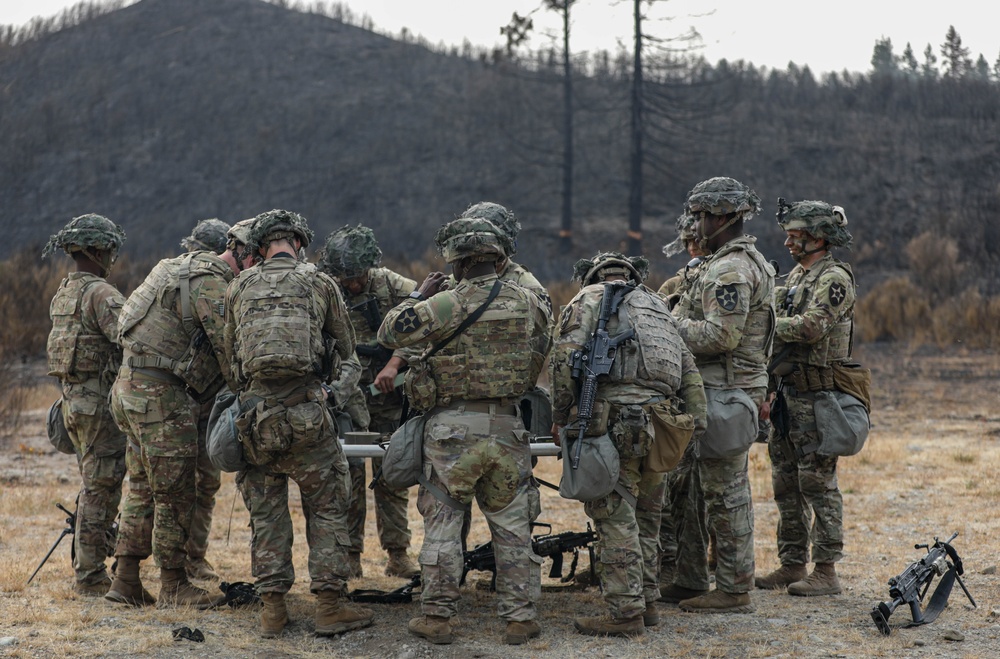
(939, 600)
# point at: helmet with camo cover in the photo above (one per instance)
(817, 218)
(723, 196)
(607, 264)
(349, 252)
(686, 230)
(210, 235)
(278, 224)
(471, 237)
(86, 232)
(502, 217)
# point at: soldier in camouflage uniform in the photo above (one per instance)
(726, 317)
(286, 331)
(474, 443)
(814, 332)
(352, 256)
(211, 236)
(83, 353)
(651, 367)
(171, 329)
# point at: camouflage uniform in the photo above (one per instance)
(474, 443)
(280, 310)
(726, 318)
(814, 330)
(84, 354)
(649, 368)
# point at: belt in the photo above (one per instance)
(157, 375)
(501, 406)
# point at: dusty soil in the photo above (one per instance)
(931, 467)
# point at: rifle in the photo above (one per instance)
(914, 582)
(372, 314)
(596, 358)
(547, 545)
(401, 595)
(379, 354)
(109, 535)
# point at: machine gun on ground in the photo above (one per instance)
(110, 535)
(914, 582)
(547, 545)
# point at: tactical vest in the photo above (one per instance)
(837, 345)
(653, 358)
(387, 297)
(279, 322)
(492, 357)
(75, 352)
(755, 345)
(158, 328)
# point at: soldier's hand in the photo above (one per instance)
(385, 381)
(555, 434)
(432, 284)
(765, 408)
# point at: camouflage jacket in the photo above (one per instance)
(726, 317)
(83, 342)
(386, 289)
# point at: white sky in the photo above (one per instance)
(828, 36)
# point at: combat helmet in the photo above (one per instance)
(606, 264)
(349, 252)
(237, 238)
(278, 224)
(90, 231)
(471, 237)
(209, 235)
(721, 196)
(686, 230)
(818, 218)
(501, 217)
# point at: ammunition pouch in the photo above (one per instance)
(812, 378)
(632, 431)
(420, 387)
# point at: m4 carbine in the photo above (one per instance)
(914, 582)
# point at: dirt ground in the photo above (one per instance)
(931, 467)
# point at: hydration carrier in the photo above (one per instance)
(653, 359)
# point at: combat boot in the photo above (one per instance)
(607, 626)
(719, 601)
(435, 629)
(274, 617)
(176, 590)
(651, 616)
(200, 568)
(673, 593)
(127, 588)
(520, 632)
(98, 589)
(783, 576)
(400, 565)
(354, 570)
(822, 581)
(666, 575)
(336, 615)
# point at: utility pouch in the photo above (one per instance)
(842, 423)
(272, 432)
(55, 426)
(307, 421)
(672, 431)
(732, 424)
(403, 464)
(419, 386)
(854, 379)
(632, 432)
(597, 473)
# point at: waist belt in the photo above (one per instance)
(157, 374)
(501, 406)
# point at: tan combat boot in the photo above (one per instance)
(274, 617)
(98, 589)
(719, 601)
(127, 588)
(435, 629)
(783, 576)
(673, 593)
(176, 590)
(607, 626)
(520, 632)
(651, 616)
(336, 615)
(199, 568)
(822, 581)
(354, 570)
(400, 565)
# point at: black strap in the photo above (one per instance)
(473, 317)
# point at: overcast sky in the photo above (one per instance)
(828, 36)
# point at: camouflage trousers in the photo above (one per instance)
(207, 483)
(673, 495)
(100, 455)
(716, 497)
(162, 427)
(483, 456)
(805, 490)
(317, 464)
(390, 505)
(649, 515)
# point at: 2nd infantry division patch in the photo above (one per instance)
(838, 293)
(727, 296)
(407, 322)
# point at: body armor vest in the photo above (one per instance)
(837, 345)
(76, 352)
(157, 327)
(653, 358)
(385, 297)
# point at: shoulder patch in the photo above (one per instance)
(838, 293)
(728, 296)
(407, 321)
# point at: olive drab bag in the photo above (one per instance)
(673, 430)
(55, 426)
(403, 464)
(732, 424)
(223, 445)
(598, 471)
(842, 423)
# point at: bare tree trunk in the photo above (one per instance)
(566, 231)
(635, 187)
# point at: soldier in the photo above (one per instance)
(352, 256)
(212, 236)
(286, 330)
(726, 317)
(653, 366)
(813, 333)
(83, 352)
(483, 334)
(171, 329)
